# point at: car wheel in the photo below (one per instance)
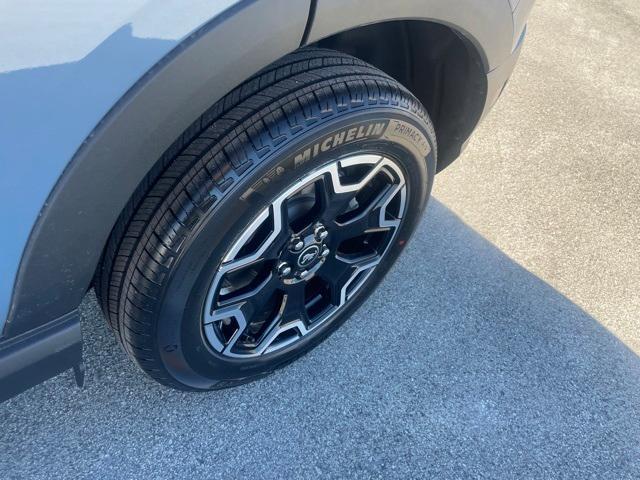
(270, 224)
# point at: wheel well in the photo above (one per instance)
(439, 66)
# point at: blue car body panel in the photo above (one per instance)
(63, 66)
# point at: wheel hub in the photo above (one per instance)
(304, 255)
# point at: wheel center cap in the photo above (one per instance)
(308, 255)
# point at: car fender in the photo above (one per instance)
(99, 122)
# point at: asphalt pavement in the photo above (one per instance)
(504, 343)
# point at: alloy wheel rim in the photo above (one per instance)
(301, 260)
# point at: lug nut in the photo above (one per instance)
(296, 244)
(303, 273)
(284, 269)
(325, 252)
(320, 233)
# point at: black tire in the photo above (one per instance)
(171, 238)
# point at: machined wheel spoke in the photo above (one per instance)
(372, 218)
(341, 273)
(282, 231)
(255, 297)
(241, 309)
(339, 191)
(275, 217)
(291, 319)
(332, 202)
(294, 307)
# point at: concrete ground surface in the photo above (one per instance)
(504, 344)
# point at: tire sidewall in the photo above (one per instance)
(184, 350)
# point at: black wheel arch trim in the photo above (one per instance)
(35, 356)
